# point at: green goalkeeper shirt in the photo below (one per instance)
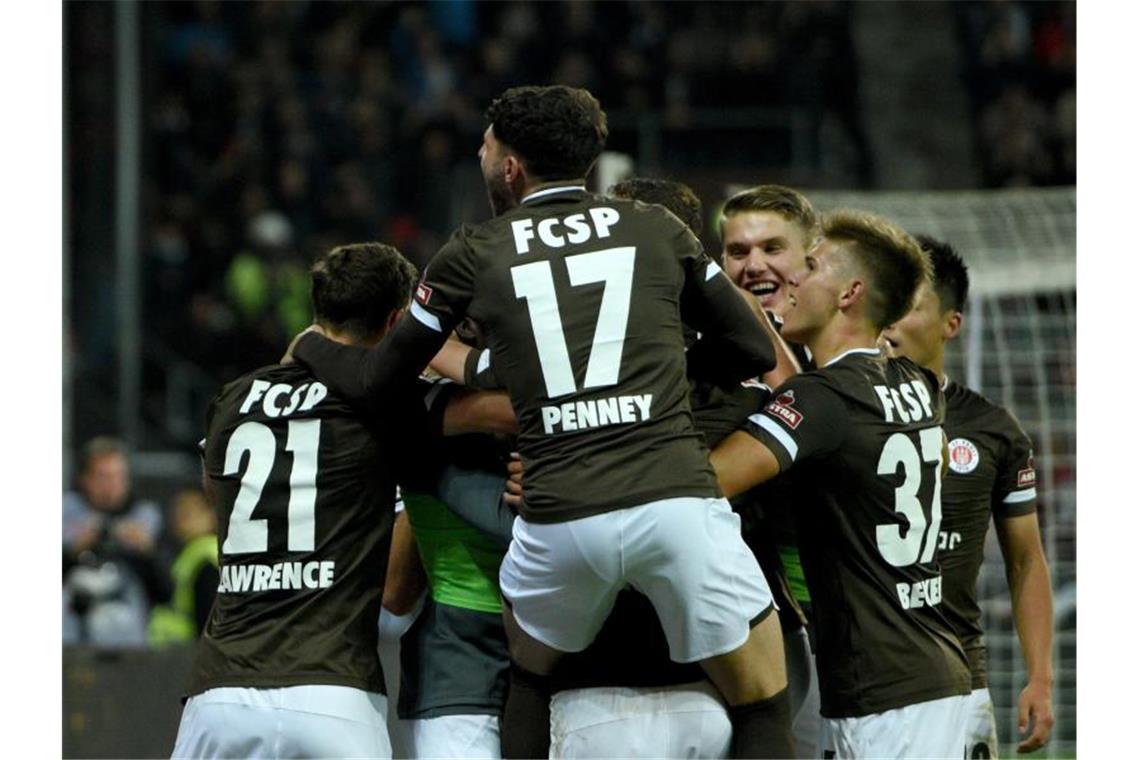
(461, 563)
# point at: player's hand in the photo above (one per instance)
(1036, 703)
(515, 471)
(313, 328)
(512, 497)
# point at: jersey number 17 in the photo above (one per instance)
(535, 283)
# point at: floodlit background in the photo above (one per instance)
(213, 149)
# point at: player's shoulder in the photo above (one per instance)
(271, 373)
(965, 403)
(275, 391)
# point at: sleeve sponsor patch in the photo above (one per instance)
(781, 409)
(1028, 476)
(423, 294)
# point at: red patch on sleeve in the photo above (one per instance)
(1026, 477)
(423, 294)
(782, 410)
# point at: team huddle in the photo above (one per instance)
(613, 496)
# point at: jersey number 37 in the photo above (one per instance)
(901, 546)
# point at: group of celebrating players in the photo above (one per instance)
(597, 594)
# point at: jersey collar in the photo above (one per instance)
(546, 192)
(848, 352)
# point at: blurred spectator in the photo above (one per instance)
(109, 540)
(360, 121)
(194, 572)
(1021, 71)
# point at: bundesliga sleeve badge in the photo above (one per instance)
(963, 456)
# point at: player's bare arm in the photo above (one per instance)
(450, 360)
(1028, 576)
(480, 412)
(405, 580)
(742, 462)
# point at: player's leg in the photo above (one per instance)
(475, 737)
(981, 728)
(688, 557)
(558, 583)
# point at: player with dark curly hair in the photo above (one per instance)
(579, 298)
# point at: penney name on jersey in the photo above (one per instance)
(580, 301)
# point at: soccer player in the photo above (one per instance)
(991, 475)
(454, 661)
(766, 232)
(580, 299)
(304, 489)
(622, 696)
(862, 438)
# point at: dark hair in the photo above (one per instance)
(100, 446)
(557, 131)
(675, 196)
(356, 287)
(890, 258)
(951, 279)
(788, 203)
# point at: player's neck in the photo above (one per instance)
(937, 365)
(539, 184)
(841, 337)
(351, 339)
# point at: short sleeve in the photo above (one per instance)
(1015, 489)
(805, 419)
(479, 372)
(444, 292)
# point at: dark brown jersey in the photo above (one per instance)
(579, 299)
(991, 474)
(304, 494)
(863, 439)
(631, 649)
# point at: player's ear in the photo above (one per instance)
(512, 169)
(852, 292)
(951, 325)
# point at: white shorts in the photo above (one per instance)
(803, 693)
(295, 721)
(475, 737)
(981, 728)
(933, 729)
(674, 721)
(685, 554)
